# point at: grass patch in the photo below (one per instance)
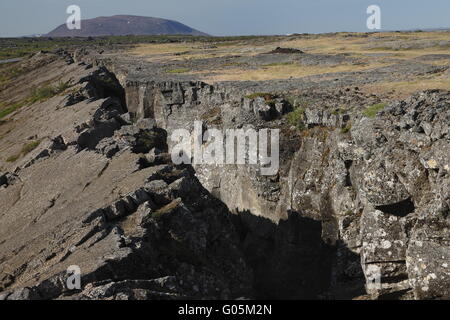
(402, 90)
(38, 95)
(295, 117)
(62, 86)
(280, 72)
(371, 112)
(265, 95)
(13, 158)
(20, 47)
(41, 94)
(11, 53)
(8, 110)
(47, 92)
(179, 70)
(6, 74)
(347, 128)
(27, 148)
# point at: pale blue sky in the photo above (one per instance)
(232, 17)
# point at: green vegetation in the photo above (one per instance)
(62, 86)
(179, 70)
(267, 96)
(13, 158)
(20, 47)
(372, 111)
(39, 94)
(295, 117)
(5, 111)
(27, 148)
(298, 102)
(347, 128)
(8, 73)
(47, 92)
(11, 48)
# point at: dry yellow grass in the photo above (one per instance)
(180, 52)
(315, 44)
(402, 90)
(354, 44)
(149, 49)
(282, 71)
(357, 42)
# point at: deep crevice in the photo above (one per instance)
(290, 260)
(399, 209)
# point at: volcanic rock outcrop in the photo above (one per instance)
(375, 188)
(356, 197)
(91, 195)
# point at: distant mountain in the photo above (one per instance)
(125, 25)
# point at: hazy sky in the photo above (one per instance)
(232, 17)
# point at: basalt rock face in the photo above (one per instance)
(359, 206)
(101, 194)
(359, 199)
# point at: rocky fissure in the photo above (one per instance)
(355, 196)
(365, 189)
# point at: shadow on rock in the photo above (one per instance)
(291, 261)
